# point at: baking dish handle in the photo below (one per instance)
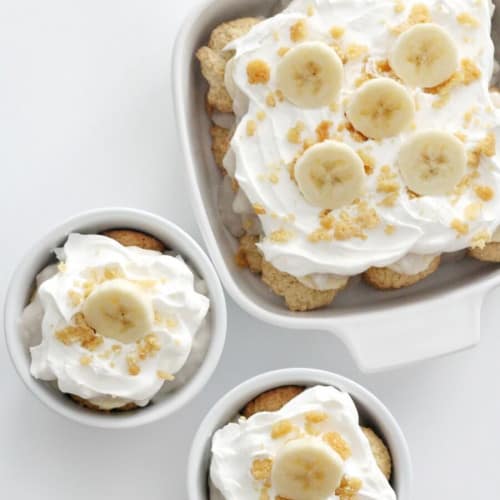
(385, 340)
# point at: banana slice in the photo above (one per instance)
(330, 175)
(310, 75)
(381, 108)
(119, 310)
(306, 469)
(432, 162)
(425, 56)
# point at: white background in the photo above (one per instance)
(86, 121)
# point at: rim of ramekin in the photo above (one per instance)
(93, 221)
(229, 405)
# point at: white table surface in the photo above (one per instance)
(86, 121)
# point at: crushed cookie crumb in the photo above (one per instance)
(389, 229)
(258, 72)
(264, 494)
(116, 348)
(281, 236)
(467, 19)
(316, 417)
(80, 332)
(349, 488)
(62, 267)
(399, 6)
(148, 346)
(274, 178)
(460, 227)
(294, 134)
(298, 32)
(86, 360)
(419, 13)
(163, 375)
(261, 469)
(484, 193)
(261, 116)
(338, 444)
(481, 239)
(271, 100)
(333, 107)
(323, 130)
(251, 128)
(470, 71)
(472, 211)
(320, 234)
(355, 51)
(259, 209)
(133, 367)
(282, 51)
(310, 10)
(461, 136)
(281, 428)
(368, 161)
(75, 298)
(386, 181)
(279, 95)
(337, 32)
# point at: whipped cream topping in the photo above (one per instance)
(238, 444)
(102, 374)
(422, 226)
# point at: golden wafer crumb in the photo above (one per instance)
(281, 428)
(480, 239)
(485, 193)
(323, 130)
(338, 444)
(294, 134)
(259, 209)
(460, 227)
(80, 332)
(316, 417)
(163, 375)
(261, 469)
(281, 236)
(349, 488)
(298, 32)
(86, 360)
(258, 72)
(337, 32)
(468, 19)
(251, 128)
(472, 211)
(133, 367)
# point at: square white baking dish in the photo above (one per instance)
(382, 330)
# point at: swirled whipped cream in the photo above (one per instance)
(246, 453)
(118, 362)
(388, 225)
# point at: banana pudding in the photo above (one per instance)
(355, 137)
(116, 321)
(299, 444)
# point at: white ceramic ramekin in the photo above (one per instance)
(21, 289)
(382, 330)
(371, 411)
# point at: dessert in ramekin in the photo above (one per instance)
(120, 320)
(309, 440)
(355, 137)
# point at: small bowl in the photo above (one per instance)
(371, 412)
(21, 288)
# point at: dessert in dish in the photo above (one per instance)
(355, 138)
(299, 443)
(117, 321)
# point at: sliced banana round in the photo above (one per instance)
(432, 162)
(306, 469)
(119, 310)
(381, 108)
(330, 175)
(425, 56)
(310, 75)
